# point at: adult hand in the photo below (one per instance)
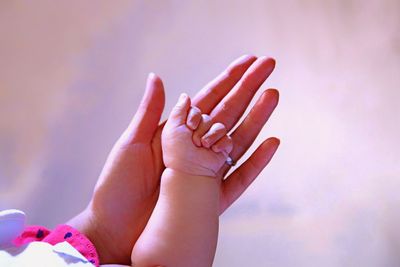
(128, 187)
(226, 102)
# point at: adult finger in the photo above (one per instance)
(145, 122)
(245, 134)
(214, 91)
(232, 107)
(242, 177)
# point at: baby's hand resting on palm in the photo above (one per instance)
(192, 143)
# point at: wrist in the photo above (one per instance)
(87, 224)
(196, 188)
(177, 172)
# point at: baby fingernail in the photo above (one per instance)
(191, 125)
(182, 98)
(206, 143)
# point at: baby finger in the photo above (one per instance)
(194, 118)
(203, 127)
(216, 132)
(224, 145)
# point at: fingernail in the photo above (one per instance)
(191, 125)
(277, 140)
(182, 98)
(205, 142)
(243, 59)
(151, 76)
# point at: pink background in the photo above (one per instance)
(72, 74)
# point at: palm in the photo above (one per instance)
(126, 187)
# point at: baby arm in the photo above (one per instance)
(183, 228)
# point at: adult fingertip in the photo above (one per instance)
(154, 82)
(270, 146)
(237, 64)
(151, 76)
(269, 59)
(271, 62)
(272, 93)
(246, 57)
(154, 92)
(274, 140)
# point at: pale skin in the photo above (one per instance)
(183, 228)
(129, 184)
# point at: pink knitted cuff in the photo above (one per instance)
(30, 234)
(59, 234)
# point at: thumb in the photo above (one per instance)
(145, 122)
(180, 111)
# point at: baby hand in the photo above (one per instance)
(192, 143)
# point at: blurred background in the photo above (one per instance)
(72, 74)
